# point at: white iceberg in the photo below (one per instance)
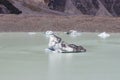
(104, 35)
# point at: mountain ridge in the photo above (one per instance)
(74, 7)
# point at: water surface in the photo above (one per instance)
(23, 57)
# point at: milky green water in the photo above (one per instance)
(22, 57)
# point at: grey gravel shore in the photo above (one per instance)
(38, 23)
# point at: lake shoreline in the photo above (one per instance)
(44, 22)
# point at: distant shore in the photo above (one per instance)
(38, 23)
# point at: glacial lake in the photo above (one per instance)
(23, 57)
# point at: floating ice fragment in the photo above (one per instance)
(31, 33)
(73, 33)
(48, 33)
(104, 35)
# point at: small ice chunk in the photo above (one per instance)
(73, 33)
(104, 35)
(48, 33)
(31, 33)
